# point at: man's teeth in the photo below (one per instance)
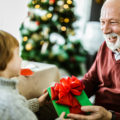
(113, 37)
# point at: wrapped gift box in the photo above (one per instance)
(43, 76)
(62, 103)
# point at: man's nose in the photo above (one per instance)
(106, 28)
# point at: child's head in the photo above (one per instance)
(10, 62)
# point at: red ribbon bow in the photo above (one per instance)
(63, 92)
(26, 72)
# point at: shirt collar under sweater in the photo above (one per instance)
(8, 83)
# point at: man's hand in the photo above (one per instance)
(62, 117)
(96, 113)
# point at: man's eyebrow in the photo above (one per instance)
(117, 19)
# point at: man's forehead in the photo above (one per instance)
(109, 10)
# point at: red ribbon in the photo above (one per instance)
(26, 72)
(64, 93)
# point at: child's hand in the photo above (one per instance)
(42, 99)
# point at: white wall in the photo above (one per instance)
(83, 9)
(12, 13)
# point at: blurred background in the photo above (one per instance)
(62, 32)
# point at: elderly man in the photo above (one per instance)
(103, 79)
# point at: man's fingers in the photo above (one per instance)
(84, 117)
(90, 108)
(62, 117)
(80, 117)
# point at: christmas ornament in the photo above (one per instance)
(74, 39)
(49, 15)
(60, 3)
(25, 38)
(43, 1)
(71, 32)
(66, 20)
(41, 42)
(57, 38)
(55, 49)
(58, 26)
(39, 12)
(37, 6)
(60, 9)
(35, 37)
(69, 2)
(44, 18)
(50, 8)
(25, 32)
(45, 32)
(34, 1)
(66, 6)
(55, 17)
(69, 46)
(51, 1)
(63, 28)
(28, 46)
(30, 25)
(44, 47)
(37, 23)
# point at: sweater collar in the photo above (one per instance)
(9, 83)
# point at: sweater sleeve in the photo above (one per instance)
(117, 115)
(33, 104)
(90, 80)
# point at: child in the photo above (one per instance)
(13, 106)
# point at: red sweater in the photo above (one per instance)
(103, 80)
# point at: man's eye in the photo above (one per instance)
(113, 22)
(102, 22)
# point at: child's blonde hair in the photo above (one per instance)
(7, 44)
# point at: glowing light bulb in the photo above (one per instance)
(37, 6)
(66, 20)
(69, 2)
(66, 6)
(29, 46)
(25, 38)
(63, 28)
(49, 15)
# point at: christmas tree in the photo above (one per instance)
(47, 32)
